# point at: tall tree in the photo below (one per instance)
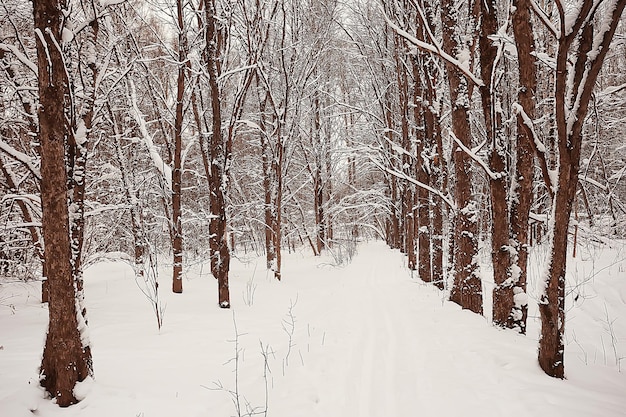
(220, 150)
(521, 190)
(67, 354)
(583, 37)
(498, 181)
(467, 289)
(176, 222)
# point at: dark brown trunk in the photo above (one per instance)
(277, 165)
(439, 172)
(220, 160)
(66, 360)
(552, 302)
(524, 168)
(500, 249)
(570, 117)
(407, 214)
(421, 155)
(393, 234)
(318, 189)
(467, 288)
(177, 224)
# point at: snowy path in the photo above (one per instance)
(373, 362)
(407, 351)
(378, 381)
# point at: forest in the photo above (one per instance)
(167, 134)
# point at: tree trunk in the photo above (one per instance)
(467, 289)
(318, 184)
(277, 168)
(393, 233)
(524, 166)
(500, 248)
(439, 172)
(406, 193)
(552, 303)
(421, 156)
(177, 224)
(66, 356)
(220, 160)
(573, 90)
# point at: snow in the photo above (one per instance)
(520, 298)
(80, 136)
(66, 35)
(361, 340)
(105, 3)
(164, 169)
(20, 57)
(461, 62)
(82, 389)
(25, 159)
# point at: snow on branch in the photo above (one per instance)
(235, 71)
(543, 16)
(434, 50)
(106, 3)
(20, 57)
(21, 157)
(611, 90)
(519, 110)
(88, 22)
(157, 161)
(549, 177)
(493, 175)
(593, 182)
(403, 176)
(22, 225)
(27, 198)
(580, 92)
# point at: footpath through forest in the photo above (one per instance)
(363, 339)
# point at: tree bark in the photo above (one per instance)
(577, 80)
(439, 171)
(500, 248)
(407, 215)
(467, 289)
(524, 166)
(318, 183)
(393, 225)
(67, 355)
(177, 224)
(421, 156)
(220, 154)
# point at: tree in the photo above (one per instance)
(177, 223)
(67, 354)
(583, 39)
(220, 150)
(522, 195)
(467, 289)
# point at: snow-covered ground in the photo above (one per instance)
(365, 339)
